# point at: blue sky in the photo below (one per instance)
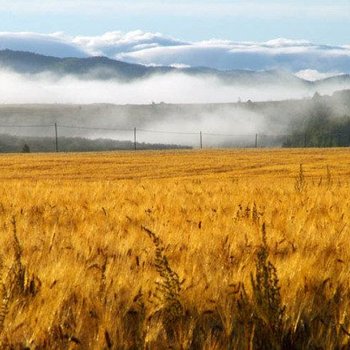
(323, 22)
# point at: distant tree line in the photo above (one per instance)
(17, 144)
(321, 129)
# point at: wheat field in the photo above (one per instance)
(234, 249)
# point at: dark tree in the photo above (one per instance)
(26, 149)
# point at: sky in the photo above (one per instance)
(322, 22)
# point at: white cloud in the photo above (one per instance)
(179, 65)
(55, 44)
(113, 43)
(293, 55)
(314, 75)
(157, 49)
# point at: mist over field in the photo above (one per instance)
(170, 107)
(16, 88)
(222, 125)
(169, 88)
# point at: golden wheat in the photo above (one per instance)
(79, 271)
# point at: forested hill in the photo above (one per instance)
(96, 67)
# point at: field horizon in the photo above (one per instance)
(249, 162)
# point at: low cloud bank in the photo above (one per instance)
(168, 88)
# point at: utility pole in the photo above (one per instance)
(56, 137)
(135, 139)
(201, 140)
(256, 140)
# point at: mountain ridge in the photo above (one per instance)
(104, 68)
(244, 84)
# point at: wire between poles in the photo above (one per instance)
(154, 131)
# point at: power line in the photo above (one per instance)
(26, 126)
(168, 132)
(237, 140)
(92, 128)
(228, 135)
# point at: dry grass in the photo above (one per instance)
(167, 249)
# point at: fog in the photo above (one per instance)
(169, 88)
(167, 125)
(219, 127)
